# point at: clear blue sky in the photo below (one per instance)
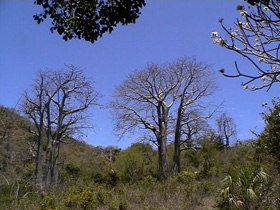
(165, 31)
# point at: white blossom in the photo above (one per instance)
(278, 76)
(214, 34)
(257, 39)
(263, 78)
(243, 14)
(266, 9)
(222, 42)
(274, 69)
(245, 87)
(246, 25)
(234, 33)
(256, 45)
(261, 60)
(215, 41)
(253, 87)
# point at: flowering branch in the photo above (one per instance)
(257, 39)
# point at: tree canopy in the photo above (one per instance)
(88, 19)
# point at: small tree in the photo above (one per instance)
(226, 129)
(256, 38)
(135, 162)
(58, 105)
(268, 141)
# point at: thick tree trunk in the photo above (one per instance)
(55, 163)
(48, 170)
(162, 142)
(38, 166)
(176, 168)
(162, 157)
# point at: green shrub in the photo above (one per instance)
(98, 177)
(185, 177)
(5, 194)
(71, 198)
(47, 202)
(121, 205)
(112, 178)
(207, 186)
(148, 181)
(87, 200)
(72, 169)
(193, 158)
(101, 196)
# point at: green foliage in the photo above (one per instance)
(112, 178)
(5, 194)
(148, 181)
(87, 200)
(248, 187)
(121, 205)
(97, 177)
(185, 177)
(268, 141)
(208, 150)
(207, 186)
(47, 202)
(72, 169)
(192, 157)
(88, 20)
(135, 162)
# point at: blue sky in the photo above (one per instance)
(165, 31)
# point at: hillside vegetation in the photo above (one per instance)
(111, 178)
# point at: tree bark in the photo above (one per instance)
(162, 141)
(38, 165)
(177, 152)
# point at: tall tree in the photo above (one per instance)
(226, 129)
(58, 105)
(147, 101)
(256, 38)
(88, 19)
(195, 82)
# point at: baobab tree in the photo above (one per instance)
(195, 82)
(226, 129)
(154, 98)
(58, 105)
(256, 38)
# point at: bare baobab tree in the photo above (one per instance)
(226, 129)
(155, 98)
(58, 104)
